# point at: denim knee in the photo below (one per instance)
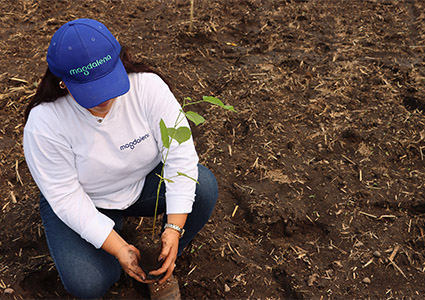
(207, 189)
(89, 281)
(205, 199)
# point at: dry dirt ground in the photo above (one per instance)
(321, 170)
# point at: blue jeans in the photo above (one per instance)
(87, 272)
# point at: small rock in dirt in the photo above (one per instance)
(312, 279)
(9, 291)
(366, 280)
(377, 254)
(226, 288)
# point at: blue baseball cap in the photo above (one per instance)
(86, 56)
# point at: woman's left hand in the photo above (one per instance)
(170, 244)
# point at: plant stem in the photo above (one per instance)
(194, 102)
(156, 204)
(161, 179)
(191, 15)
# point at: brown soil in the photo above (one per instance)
(149, 260)
(321, 170)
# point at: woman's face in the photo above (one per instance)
(102, 109)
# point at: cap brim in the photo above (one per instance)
(93, 93)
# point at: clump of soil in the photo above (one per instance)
(149, 254)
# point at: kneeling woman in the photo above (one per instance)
(93, 145)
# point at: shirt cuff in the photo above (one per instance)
(98, 230)
(179, 205)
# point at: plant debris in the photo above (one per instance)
(320, 169)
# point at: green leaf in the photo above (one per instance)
(185, 101)
(164, 134)
(194, 117)
(168, 180)
(181, 134)
(183, 174)
(216, 101)
(164, 179)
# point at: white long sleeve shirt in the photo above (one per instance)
(80, 164)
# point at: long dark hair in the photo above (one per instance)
(49, 90)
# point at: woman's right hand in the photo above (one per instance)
(129, 257)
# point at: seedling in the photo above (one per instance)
(180, 134)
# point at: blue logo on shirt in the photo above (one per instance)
(133, 144)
